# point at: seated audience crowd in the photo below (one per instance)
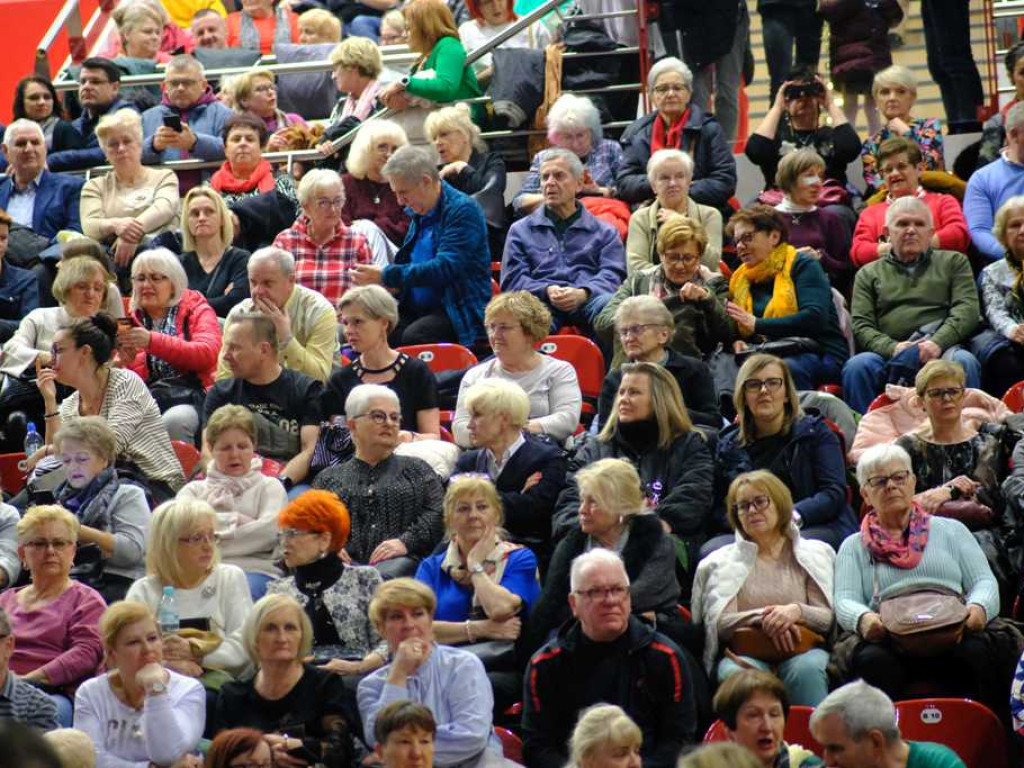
(389, 457)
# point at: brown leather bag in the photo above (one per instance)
(971, 512)
(924, 623)
(755, 643)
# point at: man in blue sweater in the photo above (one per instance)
(994, 184)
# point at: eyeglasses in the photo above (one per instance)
(198, 538)
(746, 238)
(881, 481)
(636, 331)
(616, 593)
(661, 90)
(498, 329)
(59, 545)
(154, 279)
(268, 88)
(287, 534)
(325, 204)
(774, 384)
(686, 259)
(379, 417)
(756, 504)
(947, 393)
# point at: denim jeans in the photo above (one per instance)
(947, 35)
(864, 375)
(65, 709)
(784, 26)
(724, 77)
(257, 584)
(811, 370)
(364, 26)
(803, 675)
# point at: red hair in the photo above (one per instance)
(474, 10)
(231, 744)
(321, 512)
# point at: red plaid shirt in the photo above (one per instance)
(325, 268)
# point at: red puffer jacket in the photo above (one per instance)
(196, 346)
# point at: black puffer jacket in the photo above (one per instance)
(706, 26)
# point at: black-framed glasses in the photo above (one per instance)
(59, 545)
(944, 393)
(616, 592)
(881, 481)
(756, 504)
(380, 417)
(684, 259)
(772, 384)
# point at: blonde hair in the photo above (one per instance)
(796, 164)
(615, 484)
(725, 753)
(428, 21)
(1015, 203)
(360, 54)
(230, 417)
(454, 118)
(227, 225)
(471, 485)
(894, 75)
(755, 364)
(678, 230)
(372, 132)
(496, 395)
(327, 25)
(120, 615)
(599, 727)
(937, 369)
(74, 747)
(127, 120)
(530, 312)
(94, 433)
(670, 412)
(400, 593)
(71, 272)
(172, 520)
(257, 616)
(242, 85)
(773, 488)
(44, 514)
(130, 16)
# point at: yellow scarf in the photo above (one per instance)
(778, 266)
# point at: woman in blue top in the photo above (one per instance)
(484, 584)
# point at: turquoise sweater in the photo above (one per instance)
(952, 559)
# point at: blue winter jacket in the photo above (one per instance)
(56, 204)
(204, 120)
(90, 155)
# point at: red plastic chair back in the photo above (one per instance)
(446, 435)
(967, 727)
(584, 355)
(12, 479)
(495, 288)
(442, 357)
(272, 467)
(797, 730)
(187, 455)
(511, 745)
(1014, 397)
(880, 401)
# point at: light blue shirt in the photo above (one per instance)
(23, 202)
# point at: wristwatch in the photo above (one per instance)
(476, 568)
(156, 688)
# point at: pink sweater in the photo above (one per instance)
(62, 638)
(950, 226)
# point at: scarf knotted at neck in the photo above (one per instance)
(92, 505)
(494, 564)
(904, 551)
(262, 179)
(778, 267)
(249, 33)
(672, 138)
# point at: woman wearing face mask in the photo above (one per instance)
(605, 737)
(246, 501)
(114, 515)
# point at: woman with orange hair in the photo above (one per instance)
(488, 19)
(335, 594)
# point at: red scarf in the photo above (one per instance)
(674, 140)
(225, 181)
(904, 552)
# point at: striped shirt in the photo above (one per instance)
(26, 704)
(325, 268)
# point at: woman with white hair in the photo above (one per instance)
(213, 266)
(325, 249)
(122, 208)
(574, 123)
(171, 341)
(901, 549)
(676, 123)
(605, 736)
(212, 597)
(1002, 302)
(895, 91)
(670, 172)
(367, 193)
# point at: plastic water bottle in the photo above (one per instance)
(33, 440)
(167, 616)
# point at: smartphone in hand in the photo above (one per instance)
(173, 122)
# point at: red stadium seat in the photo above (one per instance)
(880, 401)
(272, 467)
(496, 270)
(797, 730)
(585, 356)
(495, 288)
(187, 455)
(446, 435)
(442, 357)
(511, 745)
(725, 269)
(12, 477)
(967, 727)
(1014, 397)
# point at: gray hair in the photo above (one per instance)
(1015, 203)
(370, 134)
(375, 300)
(663, 156)
(574, 163)
(163, 262)
(670, 64)
(1015, 116)
(186, 61)
(862, 709)
(646, 307)
(894, 75)
(908, 204)
(5, 622)
(596, 556)
(316, 179)
(358, 401)
(283, 260)
(411, 164)
(878, 456)
(23, 124)
(570, 111)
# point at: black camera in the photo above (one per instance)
(803, 90)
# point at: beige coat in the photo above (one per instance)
(643, 235)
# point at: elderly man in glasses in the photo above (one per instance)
(607, 656)
(917, 303)
(394, 502)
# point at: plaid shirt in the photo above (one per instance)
(325, 268)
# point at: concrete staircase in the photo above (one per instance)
(911, 54)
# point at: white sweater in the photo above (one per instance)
(223, 598)
(721, 575)
(167, 727)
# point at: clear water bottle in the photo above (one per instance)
(33, 440)
(167, 616)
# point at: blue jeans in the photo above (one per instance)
(257, 584)
(784, 26)
(947, 36)
(298, 490)
(803, 675)
(864, 375)
(65, 709)
(364, 26)
(811, 370)
(584, 315)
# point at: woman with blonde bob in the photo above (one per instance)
(158, 713)
(287, 693)
(357, 66)
(255, 92)
(485, 585)
(211, 596)
(605, 735)
(772, 582)
(214, 267)
(449, 681)
(613, 514)
(367, 193)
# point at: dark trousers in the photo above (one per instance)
(430, 327)
(947, 35)
(786, 26)
(1003, 369)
